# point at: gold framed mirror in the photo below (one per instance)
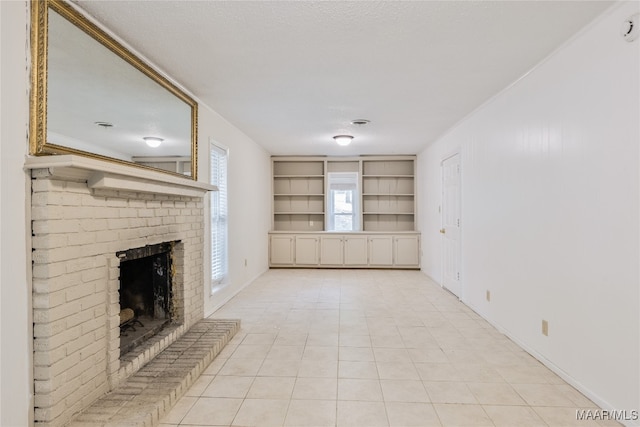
(92, 96)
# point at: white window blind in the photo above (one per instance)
(218, 215)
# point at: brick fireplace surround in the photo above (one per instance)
(83, 212)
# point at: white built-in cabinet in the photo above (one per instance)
(281, 250)
(386, 237)
(358, 250)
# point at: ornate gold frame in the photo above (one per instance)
(38, 144)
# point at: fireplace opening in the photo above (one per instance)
(145, 293)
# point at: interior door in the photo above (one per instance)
(450, 231)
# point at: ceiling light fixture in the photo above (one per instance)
(153, 141)
(343, 139)
(360, 122)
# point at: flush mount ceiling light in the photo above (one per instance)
(343, 139)
(153, 141)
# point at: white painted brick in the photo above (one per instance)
(153, 222)
(93, 224)
(79, 343)
(145, 213)
(65, 365)
(50, 414)
(49, 357)
(57, 341)
(137, 203)
(90, 301)
(48, 300)
(95, 201)
(128, 195)
(116, 224)
(79, 318)
(71, 199)
(95, 274)
(76, 187)
(81, 238)
(42, 185)
(116, 202)
(55, 313)
(137, 222)
(100, 311)
(93, 324)
(45, 330)
(105, 236)
(83, 263)
(49, 241)
(56, 226)
(65, 254)
(79, 290)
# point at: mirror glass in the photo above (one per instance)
(103, 102)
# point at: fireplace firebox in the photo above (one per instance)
(145, 293)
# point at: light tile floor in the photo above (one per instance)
(369, 348)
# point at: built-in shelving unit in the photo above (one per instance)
(385, 237)
(388, 194)
(298, 195)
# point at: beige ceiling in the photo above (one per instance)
(292, 74)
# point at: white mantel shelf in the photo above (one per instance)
(100, 174)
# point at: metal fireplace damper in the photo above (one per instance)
(145, 293)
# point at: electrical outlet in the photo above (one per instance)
(488, 295)
(545, 328)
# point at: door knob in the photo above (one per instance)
(442, 230)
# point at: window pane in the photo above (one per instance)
(342, 201)
(343, 223)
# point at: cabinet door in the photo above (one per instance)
(307, 250)
(281, 250)
(380, 251)
(331, 250)
(407, 250)
(355, 250)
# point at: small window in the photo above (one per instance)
(343, 201)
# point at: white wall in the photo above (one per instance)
(248, 200)
(15, 290)
(550, 210)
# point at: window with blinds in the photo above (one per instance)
(218, 215)
(342, 201)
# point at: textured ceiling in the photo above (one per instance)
(291, 74)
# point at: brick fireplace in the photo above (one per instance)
(85, 214)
